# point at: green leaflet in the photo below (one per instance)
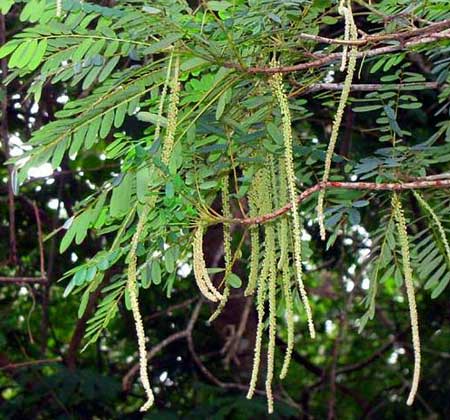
(121, 196)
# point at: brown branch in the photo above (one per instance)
(236, 339)
(80, 327)
(129, 377)
(329, 58)
(227, 385)
(12, 366)
(169, 310)
(371, 39)
(13, 259)
(319, 372)
(369, 186)
(18, 280)
(362, 87)
(40, 240)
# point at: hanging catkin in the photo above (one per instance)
(283, 265)
(202, 278)
(270, 241)
(58, 8)
(132, 264)
(409, 285)
(276, 83)
(436, 220)
(226, 211)
(132, 291)
(253, 195)
(267, 266)
(351, 28)
(163, 98)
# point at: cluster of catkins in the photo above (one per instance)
(272, 185)
(275, 254)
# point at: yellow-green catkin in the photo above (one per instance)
(58, 8)
(346, 13)
(226, 211)
(267, 266)
(270, 241)
(163, 97)
(350, 24)
(409, 285)
(276, 82)
(202, 278)
(132, 264)
(172, 115)
(253, 195)
(132, 291)
(436, 220)
(270, 235)
(283, 265)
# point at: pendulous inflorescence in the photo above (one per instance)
(132, 257)
(58, 8)
(202, 278)
(226, 211)
(436, 220)
(283, 265)
(351, 32)
(276, 83)
(253, 202)
(269, 261)
(409, 285)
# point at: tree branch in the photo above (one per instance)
(18, 280)
(361, 87)
(128, 379)
(373, 39)
(329, 58)
(13, 366)
(369, 186)
(13, 259)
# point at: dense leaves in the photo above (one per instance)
(88, 94)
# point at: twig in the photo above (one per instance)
(40, 241)
(70, 357)
(362, 87)
(369, 186)
(371, 39)
(169, 310)
(13, 259)
(16, 280)
(12, 366)
(228, 385)
(231, 354)
(128, 378)
(329, 58)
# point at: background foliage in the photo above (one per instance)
(80, 103)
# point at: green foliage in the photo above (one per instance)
(114, 64)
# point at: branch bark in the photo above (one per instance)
(13, 259)
(18, 280)
(330, 58)
(368, 186)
